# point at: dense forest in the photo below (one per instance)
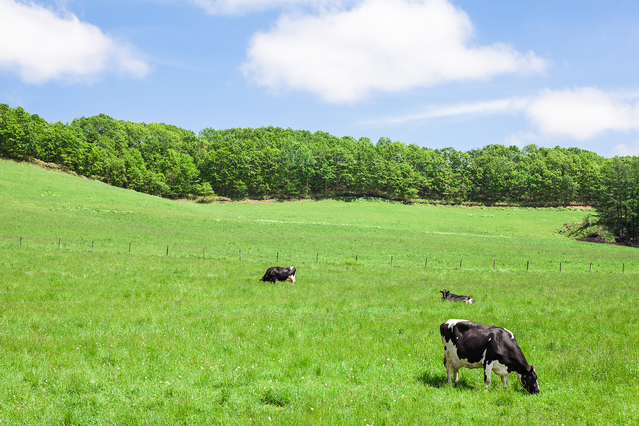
(272, 162)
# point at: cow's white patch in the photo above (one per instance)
(451, 322)
(499, 368)
(291, 278)
(456, 362)
(512, 336)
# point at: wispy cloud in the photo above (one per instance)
(498, 106)
(521, 139)
(377, 46)
(40, 45)
(579, 114)
(626, 149)
(241, 7)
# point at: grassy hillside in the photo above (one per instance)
(101, 336)
(47, 208)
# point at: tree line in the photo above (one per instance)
(272, 162)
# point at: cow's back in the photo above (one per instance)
(473, 341)
(461, 329)
(469, 342)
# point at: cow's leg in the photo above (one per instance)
(456, 371)
(448, 368)
(488, 368)
(504, 380)
(448, 363)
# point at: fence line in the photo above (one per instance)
(190, 250)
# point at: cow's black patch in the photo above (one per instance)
(278, 273)
(447, 295)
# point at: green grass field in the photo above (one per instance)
(94, 334)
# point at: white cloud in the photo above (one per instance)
(521, 139)
(378, 45)
(240, 7)
(39, 45)
(581, 113)
(626, 150)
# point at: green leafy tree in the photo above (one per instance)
(169, 161)
(20, 133)
(455, 183)
(618, 206)
(495, 173)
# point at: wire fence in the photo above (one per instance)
(260, 254)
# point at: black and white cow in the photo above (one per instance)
(279, 273)
(456, 298)
(472, 345)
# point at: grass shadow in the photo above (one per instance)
(440, 381)
(432, 380)
(463, 384)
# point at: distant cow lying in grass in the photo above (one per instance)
(456, 298)
(279, 273)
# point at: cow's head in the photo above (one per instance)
(444, 293)
(529, 380)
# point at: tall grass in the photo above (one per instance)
(108, 337)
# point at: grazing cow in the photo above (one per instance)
(472, 345)
(456, 298)
(279, 273)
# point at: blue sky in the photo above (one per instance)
(436, 73)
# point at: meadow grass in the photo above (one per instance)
(106, 337)
(49, 208)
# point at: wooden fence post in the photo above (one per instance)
(527, 263)
(59, 242)
(391, 261)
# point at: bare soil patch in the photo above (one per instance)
(596, 238)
